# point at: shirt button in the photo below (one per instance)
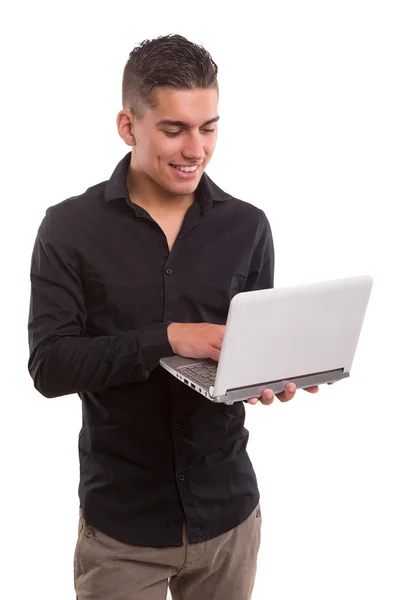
(177, 426)
(168, 271)
(89, 532)
(181, 478)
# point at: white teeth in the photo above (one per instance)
(187, 169)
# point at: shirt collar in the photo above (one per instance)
(206, 192)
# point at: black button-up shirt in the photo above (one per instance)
(152, 451)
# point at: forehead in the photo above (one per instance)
(191, 106)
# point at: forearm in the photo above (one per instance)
(70, 364)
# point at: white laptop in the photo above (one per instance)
(307, 334)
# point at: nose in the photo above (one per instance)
(193, 147)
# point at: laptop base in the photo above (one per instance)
(240, 394)
(172, 364)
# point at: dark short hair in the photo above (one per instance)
(166, 61)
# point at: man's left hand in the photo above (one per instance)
(289, 393)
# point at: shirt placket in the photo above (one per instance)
(182, 470)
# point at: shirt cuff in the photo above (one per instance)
(154, 344)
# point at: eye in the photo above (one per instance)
(174, 134)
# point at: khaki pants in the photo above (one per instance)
(223, 568)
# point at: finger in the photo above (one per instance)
(288, 394)
(267, 397)
(214, 353)
(252, 401)
(216, 343)
(312, 390)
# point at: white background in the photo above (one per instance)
(309, 131)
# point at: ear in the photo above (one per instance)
(126, 127)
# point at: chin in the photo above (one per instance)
(182, 187)
(184, 191)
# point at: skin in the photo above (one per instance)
(152, 182)
(156, 185)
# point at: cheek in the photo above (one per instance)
(210, 144)
(156, 148)
(167, 150)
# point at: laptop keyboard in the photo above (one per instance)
(202, 373)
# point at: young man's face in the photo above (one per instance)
(190, 143)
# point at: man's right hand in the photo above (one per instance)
(196, 340)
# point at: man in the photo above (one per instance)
(138, 267)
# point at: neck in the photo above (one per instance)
(151, 197)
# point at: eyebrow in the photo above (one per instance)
(182, 123)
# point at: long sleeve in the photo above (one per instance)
(63, 360)
(261, 272)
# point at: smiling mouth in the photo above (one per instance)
(185, 168)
